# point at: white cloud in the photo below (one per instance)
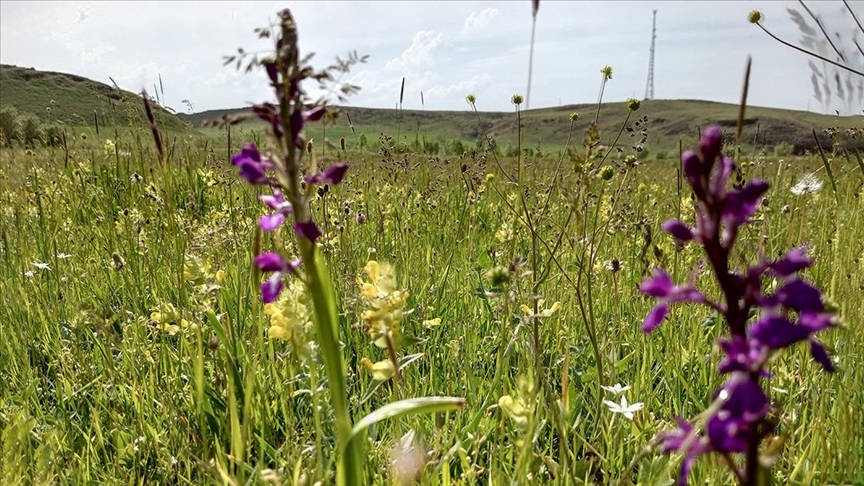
(479, 19)
(460, 89)
(420, 52)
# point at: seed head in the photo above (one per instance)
(516, 99)
(633, 104)
(754, 17)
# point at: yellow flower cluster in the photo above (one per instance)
(291, 318)
(384, 303)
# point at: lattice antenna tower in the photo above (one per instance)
(649, 86)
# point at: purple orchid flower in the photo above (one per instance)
(280, 208)
(252, 165)
(273, 262)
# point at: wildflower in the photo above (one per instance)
(624, 408)
(280, 208)
(616, 389)
(42, 266)
(754, 17)
(381, 371)
(807, 184)
(543, 312)
(361, 218)
(606, 72)
(791, 312)
(273, 262)
(29, 274)
(633, 104)
(333, 174)
(291, 318)
(252, 165)
(385, 303)
(432, 322)
(516, 99)
(109, 147)
(63, 256)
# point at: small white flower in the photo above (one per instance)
(807, 184)
(63, 256)
(28, 274)
(624, 408)
(616, 389)
(42, 266)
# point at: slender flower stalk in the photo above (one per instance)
(738, 419)
(280, 170)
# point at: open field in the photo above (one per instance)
(135, 346)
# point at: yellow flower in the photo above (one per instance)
(384, 303)
(381, 371)
(543, 312)
(109, 147)
(291, 318)
(432, 323)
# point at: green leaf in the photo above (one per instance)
(407, 407)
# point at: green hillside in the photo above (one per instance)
(668, 121)
(72, 100)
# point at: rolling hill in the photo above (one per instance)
(70, 99)
(668, 121)
(73, 100)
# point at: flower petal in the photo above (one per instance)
(655, 317)
(659, 285)
(308, 229)
(271, 221)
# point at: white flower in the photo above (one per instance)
(623, 408)
(807, 184)
(42, 266)
(28, 274)
(63, 256)
(616, 389)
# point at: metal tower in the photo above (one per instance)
(649, 86)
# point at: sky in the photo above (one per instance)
(444, 49)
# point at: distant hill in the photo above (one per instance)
(668, 121)
(72, 100)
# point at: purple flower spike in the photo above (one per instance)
(678, 230)
(693, 171)
(333, 174)
(270, 114)
(684, 439)
(308, 229)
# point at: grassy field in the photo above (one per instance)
(135, 346)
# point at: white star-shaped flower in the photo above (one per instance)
(42, 266)
(624, 408)
(616, 389)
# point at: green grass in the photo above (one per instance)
(95, 391)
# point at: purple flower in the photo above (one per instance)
(333, 174)
(308, 229)
(660, 285)
(280, 208)
(794, 261)
(776, 332)
(740, 205)
(678, 230)
(270, 114)
(252, 165)
(741, 354)
(684, 439)
(734, 425)
(273, 262)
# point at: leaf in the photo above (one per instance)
(407, 407)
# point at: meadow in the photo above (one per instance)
(135, 345)
(471, 316)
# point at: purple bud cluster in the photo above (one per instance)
(793, 313)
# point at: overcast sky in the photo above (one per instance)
(447, 50)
